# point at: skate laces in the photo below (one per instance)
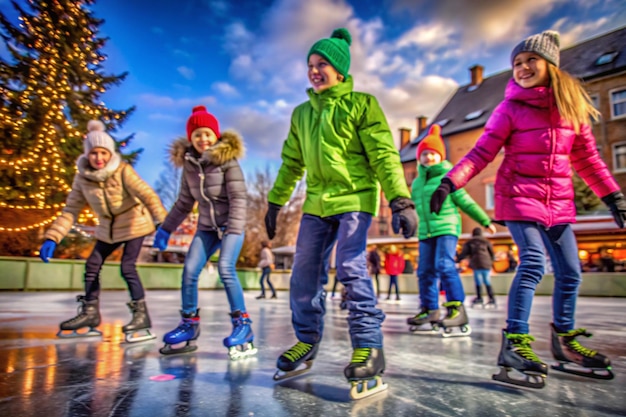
(521, 342)
(574, 345)
(453, 308)
(360, 355)
(297, 351)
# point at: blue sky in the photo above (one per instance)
(245, 60)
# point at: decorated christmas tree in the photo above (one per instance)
(51, 84)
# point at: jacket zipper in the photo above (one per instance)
(108, 206)
(202, 176)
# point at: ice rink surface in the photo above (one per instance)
(41, 375)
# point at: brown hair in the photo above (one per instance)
(573, 101)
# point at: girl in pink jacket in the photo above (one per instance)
(542, 125)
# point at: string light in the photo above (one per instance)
(60, 89)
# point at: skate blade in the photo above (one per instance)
(424, 330)
(575, 369)
(75, 334)
(142, 336)
(461, 331)
(170, 350)
(536, 381)
(280, 375)
(241, 351)
(364, 388)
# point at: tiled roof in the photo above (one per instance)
(579, 60)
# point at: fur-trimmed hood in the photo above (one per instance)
(229, 147)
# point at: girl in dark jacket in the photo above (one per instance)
(480, 253)
(213, 178)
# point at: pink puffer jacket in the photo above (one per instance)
(534, 182)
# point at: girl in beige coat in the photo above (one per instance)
(127, 210)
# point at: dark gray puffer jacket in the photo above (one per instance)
(213, 179)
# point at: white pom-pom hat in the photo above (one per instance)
(98, 138)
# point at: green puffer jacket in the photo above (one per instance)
(342, 140)
(448, 221)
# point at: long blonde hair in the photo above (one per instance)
(574, 103)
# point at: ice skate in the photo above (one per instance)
(576, 359)
(516, 354)
(456, 318)
(424, 322)
(364, 372)
(492, 299)
(289, 363)
(88, 316)
(478, 302)
(187, 332)
(491, 304)
(239, 343)
(138, 330)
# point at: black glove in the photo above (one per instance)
(270, 219)
(403, 216)
(617, 204)
(440, 195)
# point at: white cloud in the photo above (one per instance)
(186, 72)
(225, 89)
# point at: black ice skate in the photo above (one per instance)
(88, 316)
(576, 359)
(456, 318)
(289, 362)
(516, 354)
(364, 372)
(138, 330)
(424, 322)
(491, 304)
(478, 302)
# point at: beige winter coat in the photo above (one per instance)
(126, 207)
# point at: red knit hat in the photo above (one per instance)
(201, 118)
(433, 142)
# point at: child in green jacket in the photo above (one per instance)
(340, 137)
(438, 236)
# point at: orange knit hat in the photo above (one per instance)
(433, 141)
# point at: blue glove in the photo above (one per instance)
(47, 250)
(160, 239)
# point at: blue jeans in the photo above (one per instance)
(437, 261)
(316, 239)
(203, 245)
(532, 239)
(265, 276)
(481, 276)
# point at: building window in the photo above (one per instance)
(619, 157)
(595, 101)
(489, 197)
(606, 58)
(443, 122)
(618, 103)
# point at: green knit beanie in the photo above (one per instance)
(335, 49)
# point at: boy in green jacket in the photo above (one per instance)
(438, 236)
(341, 139)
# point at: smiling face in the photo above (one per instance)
(203, 138)
(98, 158)
(429, 158)
(322, 75)
(530, 70)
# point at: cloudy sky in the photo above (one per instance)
(245, 60)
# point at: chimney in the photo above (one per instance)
(421, 124)
(476, 74)
(405, 137)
